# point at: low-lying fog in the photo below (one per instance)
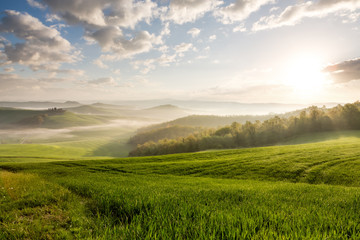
(25, 135)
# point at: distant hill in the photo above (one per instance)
(59, 118)
(112, 106)
(90, 109)
(225, 108)
(208, 121)
(166, 112)
(164, 107)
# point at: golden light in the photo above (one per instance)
(304, 75)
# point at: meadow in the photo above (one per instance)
(291, 191)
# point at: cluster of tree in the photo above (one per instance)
(251, 134)
(55, 110)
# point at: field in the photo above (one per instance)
(302, 191)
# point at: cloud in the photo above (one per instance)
(44, 48)
(164, 60)
(240, 28)
(345, 71)
(52, 17)
(101, 13)
(129, 13)
(239, 10)
(71, 72)
(294, 14)
(100, 64)
(103, 21)
(9, 69)
(183, 47)
(183, 11)
(194, 32)
(150, 64)
(107, 81)
(212, 37)
(166, 29)
(111, 39)
(35, 4)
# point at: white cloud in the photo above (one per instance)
(183, 47)
(103, 21)
(163, 48)
(294, 14)
(36, 4)
(194, 32)
(148, 65)
(44, 48)
(52, 17)
(100, 64)
(111, 39)
(240, 28)
(183, 11)
(212, 37)
(101, 13)
(129, 13)
(239, 10)
(166, 30)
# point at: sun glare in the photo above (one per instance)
(304, 75)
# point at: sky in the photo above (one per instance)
(249, 51)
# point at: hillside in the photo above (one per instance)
(305, 191)
(92, 110)
(12, 115)
(249, 134)
(324, 158)
(53, 118)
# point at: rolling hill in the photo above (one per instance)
(15, 118)
(303, 191)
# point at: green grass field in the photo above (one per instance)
(291, 191)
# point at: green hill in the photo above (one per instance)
(12, 115)
(69, 119)
(303, 191)
(15, 118)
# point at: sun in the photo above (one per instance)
(304, 75)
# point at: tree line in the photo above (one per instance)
(257, 133)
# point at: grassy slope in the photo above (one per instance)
(84, 144)
(12, 115)
(259, 193)
(69, 119)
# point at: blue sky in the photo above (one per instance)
(239, 50)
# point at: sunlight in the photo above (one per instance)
(304, 75)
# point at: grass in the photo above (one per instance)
(32, 208)
(12, 115)
(304, 191)
(69, 119)
(74, 144)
